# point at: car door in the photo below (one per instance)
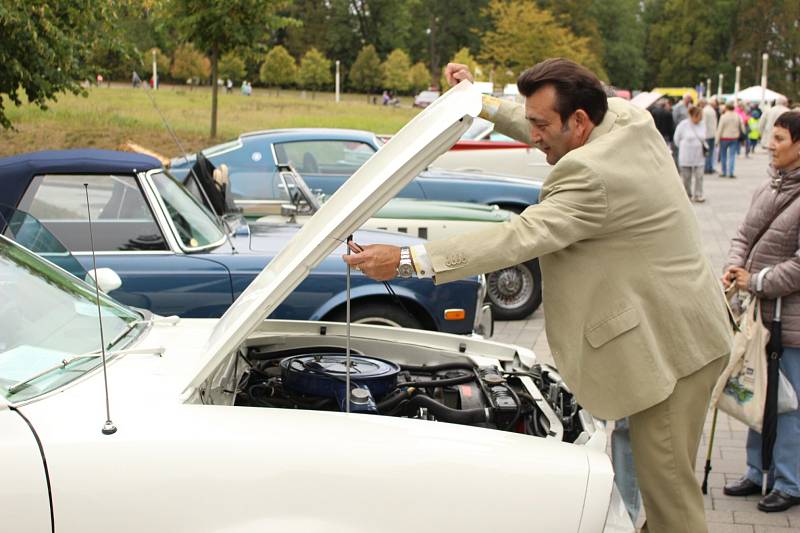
(326, 164)
(24, 498)
(128, 239)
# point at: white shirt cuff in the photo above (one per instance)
(422, 263)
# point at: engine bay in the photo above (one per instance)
(532, 401)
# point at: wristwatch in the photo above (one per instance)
(406, 267)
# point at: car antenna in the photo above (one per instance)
(108, 428)
(191, 169)
(347, 333)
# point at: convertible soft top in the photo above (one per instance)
(17, 171)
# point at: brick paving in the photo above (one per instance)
(726, 203)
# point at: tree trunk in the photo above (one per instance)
(214, 88)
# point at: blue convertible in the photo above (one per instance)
(327, 157)
(175, 257)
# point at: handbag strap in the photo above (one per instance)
(766, 226)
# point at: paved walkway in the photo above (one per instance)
(726, 205)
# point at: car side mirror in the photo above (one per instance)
(289, 211)
(107, 280)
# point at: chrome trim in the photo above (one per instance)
(482, 291)
(126, 252)
(146, 178)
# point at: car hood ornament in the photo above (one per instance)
(414, 147)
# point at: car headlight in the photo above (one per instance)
(617, 518)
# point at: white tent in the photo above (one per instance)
(753, 94)
(645, 99)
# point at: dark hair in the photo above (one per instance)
(790, 121)
(695, 111)
(576, 87)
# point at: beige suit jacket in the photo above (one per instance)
(631, 303)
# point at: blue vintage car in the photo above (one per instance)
(175, 257)
(327, 157)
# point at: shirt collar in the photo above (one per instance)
(604, 126)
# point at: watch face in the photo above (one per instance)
(405, 270)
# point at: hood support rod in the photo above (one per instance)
(347, 333)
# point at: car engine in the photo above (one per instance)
(534, 401)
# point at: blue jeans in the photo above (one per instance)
(727, 152)
(624, 470)
(710, 155)
(785, 472)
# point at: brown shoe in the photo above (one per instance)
(777, 501)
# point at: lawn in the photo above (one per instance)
(111, 116)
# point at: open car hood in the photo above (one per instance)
(428, 135)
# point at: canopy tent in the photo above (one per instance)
(645, 99)
(753, 94)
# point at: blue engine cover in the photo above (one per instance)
(324, 375)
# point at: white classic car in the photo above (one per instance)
(481, 149)
(241, 424)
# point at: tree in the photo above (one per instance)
(315, 71)
(395, 71)
(221, 26)
(231, 66)
(366, 74)
(279, 69)
(512, 47)
(621, 25)
(419, 77)
(681, 41)
(189, 64)
(44, 49)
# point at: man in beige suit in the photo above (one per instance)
(634, 314)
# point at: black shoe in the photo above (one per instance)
(743, 487)
(777, 501)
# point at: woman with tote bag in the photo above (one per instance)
(764, 259)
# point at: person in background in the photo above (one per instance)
(742, 112)
(729, 128)
(769, 117)
(753, 132)
(775, 259)
(689, 138)
(710, 122)
(663, 119)
(681, 110)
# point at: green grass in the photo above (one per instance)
(111, 116)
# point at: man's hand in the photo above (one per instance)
(456, 72)
(377, 261)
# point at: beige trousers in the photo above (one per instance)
(664, 440)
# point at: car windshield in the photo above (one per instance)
(195, 225)
(48, 316)
(478, 130)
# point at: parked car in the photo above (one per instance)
(242, 424)
(174, 257)
(425, 98)
(326, 158)
(284, 197)
(483, 150)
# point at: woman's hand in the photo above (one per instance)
(740, 277)
(728, 277)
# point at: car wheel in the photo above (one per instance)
(515, 292)
(381, 314)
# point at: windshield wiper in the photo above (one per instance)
(13, 389)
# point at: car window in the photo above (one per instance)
(235, 154)
(324, 157)
(195, 225)
(121, 218)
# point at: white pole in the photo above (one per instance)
(155, 71)
(736, 84)
(337, 81)
(719, 89)
(764, 61)
(708, 87)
